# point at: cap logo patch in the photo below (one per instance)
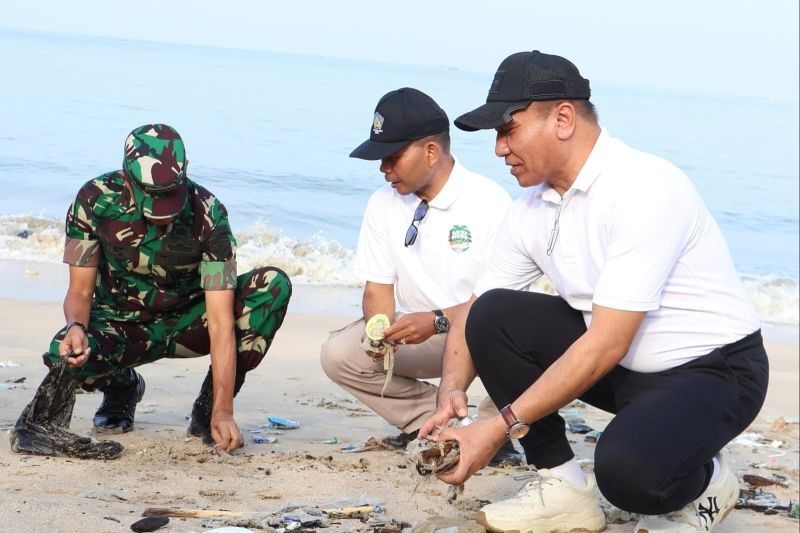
(497, 81)
(377, 123)
(460, 238)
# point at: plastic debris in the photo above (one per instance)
(8, 364)
(375, 326)
(577, 427)
(151, 523)
(264, 439)
(370, 444)
(278, 422)
(333, 440)
(761, 481)
(433, 457)
(361, 511)
(572, 416)
(24, 234)
(592, 436)
(756, 440)
(289, 518)
(7, 386)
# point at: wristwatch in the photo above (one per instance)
(440, 322)
(516, 428)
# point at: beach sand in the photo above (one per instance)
(161, 468)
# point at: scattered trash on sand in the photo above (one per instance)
(761, 481)
(370, 444)
(762, 501)
(9, 364)
(150, 523)
(577, 427)
(757, 440)
(572, 416)
(278, 422)
(288, 518)
(593, 436)
(264, 439)
(103, 496)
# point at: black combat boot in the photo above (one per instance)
(200, 421)
(42, 427)
(120, 397)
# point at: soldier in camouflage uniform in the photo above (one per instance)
(152, 275)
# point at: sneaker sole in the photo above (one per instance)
(589, 524)
(111, 431)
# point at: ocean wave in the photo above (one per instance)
(327, 262)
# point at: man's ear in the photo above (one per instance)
(432, 153)
(566, 116)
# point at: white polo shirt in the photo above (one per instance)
(440, 269)
(633, 235)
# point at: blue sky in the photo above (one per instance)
(734, 47)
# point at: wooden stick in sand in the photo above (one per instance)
(343, 512)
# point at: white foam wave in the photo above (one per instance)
(30, 238)
(317, 260)
(775, 298)
(322, 261)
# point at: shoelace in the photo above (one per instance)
(535, 484)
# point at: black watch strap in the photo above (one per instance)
(438, 312)
(78, 324)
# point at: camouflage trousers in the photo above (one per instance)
(260, 302)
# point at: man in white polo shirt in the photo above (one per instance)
(423, 243)
(650, 323)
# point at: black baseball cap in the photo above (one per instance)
(400, 117)
(520, 79)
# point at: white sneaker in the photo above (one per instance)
(546, 504)
(703, 514)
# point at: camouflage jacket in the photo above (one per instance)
(145, 269)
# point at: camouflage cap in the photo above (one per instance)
(155, 162)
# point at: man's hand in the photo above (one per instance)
(452, 404)
(412, 328)
(478, 442)
(376, 354)
(224, 431)
(74, 349)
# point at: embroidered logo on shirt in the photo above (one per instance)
(460, 238)
(377, 123)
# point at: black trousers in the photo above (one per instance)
(655, 455)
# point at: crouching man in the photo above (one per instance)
(152, 275)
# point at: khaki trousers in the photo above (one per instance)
(408, 401)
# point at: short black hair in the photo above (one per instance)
(442, 138)
(584, 107)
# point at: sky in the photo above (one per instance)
(734, 47)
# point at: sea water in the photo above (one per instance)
(270, 134)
